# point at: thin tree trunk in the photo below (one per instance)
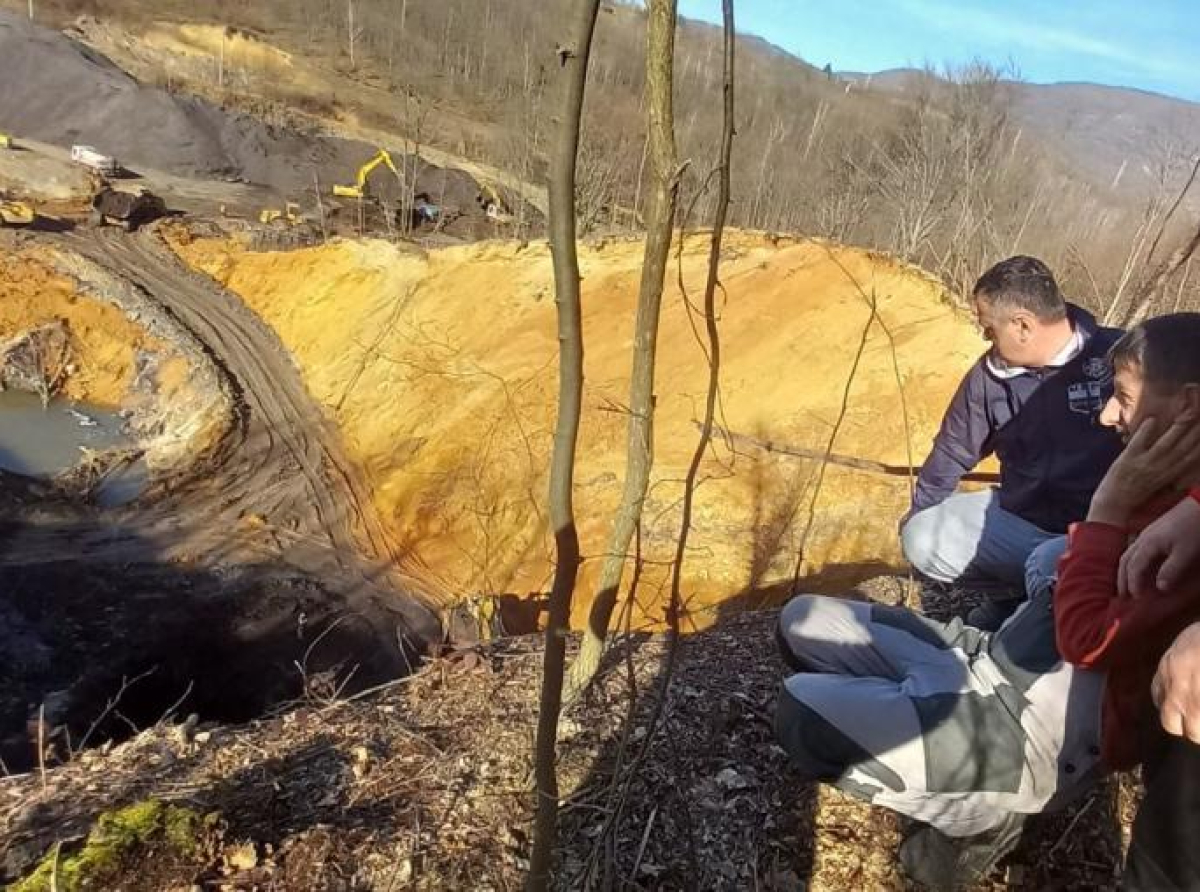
(660, 219)
(689, 486)
(1139, 303)
(637, 189)
(391, 46)
(1183, 281)
(320, 206)
(1166, 220)
(486, 40)
(572, 65)
(710, 316)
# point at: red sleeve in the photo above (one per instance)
(1094, 626)
(1087, 612)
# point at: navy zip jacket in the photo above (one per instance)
(1043, 426)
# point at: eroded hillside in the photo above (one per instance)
(439, 369)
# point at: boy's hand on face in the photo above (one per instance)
(1176, 687)
(1148, 465)
(1166, 550)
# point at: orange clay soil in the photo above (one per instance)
(440, 370)
(105, 341)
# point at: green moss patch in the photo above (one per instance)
(116, 836)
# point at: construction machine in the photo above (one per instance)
(129, 210)
(359, 189)
(289, 215)
(6, 141)
(89, 157)
(489, 201)
(16, 213)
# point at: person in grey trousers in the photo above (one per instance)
(964, 731)
(1033, 401)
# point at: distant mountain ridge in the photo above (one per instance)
(1114, 138)
(1117, 137)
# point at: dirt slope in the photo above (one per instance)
(106, 341)
(61, 92)
(284, 463)
(218, 62)
(227, 575)
(439, 369)
(198, 152)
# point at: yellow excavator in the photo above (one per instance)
(16, 213)
(359, 189)
(289, 214)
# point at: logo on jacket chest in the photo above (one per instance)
(1097, 369)
(1087, 397)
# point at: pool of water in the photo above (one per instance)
(41, 442)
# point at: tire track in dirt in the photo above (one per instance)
(282, 433)
(285, 463)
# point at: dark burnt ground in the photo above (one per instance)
(95, 650)
(255, 574)
(424, 784)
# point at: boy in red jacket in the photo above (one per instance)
(1156, 407)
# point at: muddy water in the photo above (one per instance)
(41, 442)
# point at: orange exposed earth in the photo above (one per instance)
(105, 341)
(440, 370)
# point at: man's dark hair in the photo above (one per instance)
(1165, 350)
(1023, 283)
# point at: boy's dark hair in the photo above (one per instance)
(1023, 283)
(1165, 350)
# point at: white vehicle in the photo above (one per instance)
(89, 157)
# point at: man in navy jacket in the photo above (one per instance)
(1032, 400)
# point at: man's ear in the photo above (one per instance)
(1024, 321)
(1189, 403)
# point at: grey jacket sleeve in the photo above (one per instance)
(961, 443)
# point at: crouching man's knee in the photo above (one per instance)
(820, 751)
(919, 542)
(1041, 569)
(788, 633)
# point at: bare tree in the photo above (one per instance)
(1143, 302)
(660, 220)
(352, 30)
(608, 829)
(710, 313)
(572, 64)
(1158, 215)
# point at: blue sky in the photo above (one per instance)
(1150, 44)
